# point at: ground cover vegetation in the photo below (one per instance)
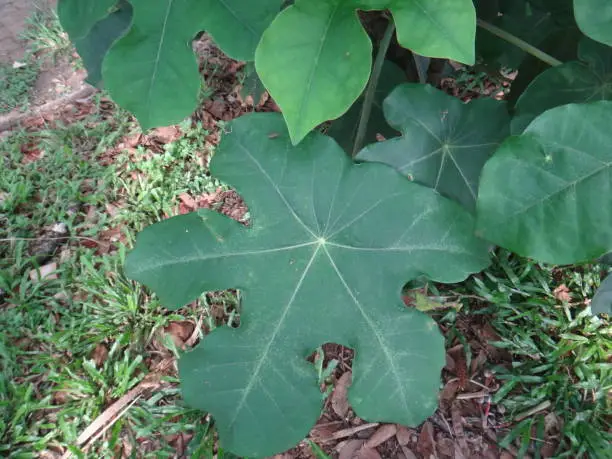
(423, 185)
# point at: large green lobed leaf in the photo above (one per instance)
(547, 193)
(574, 82)
(324, 259)
(444, 143)
(594, 17)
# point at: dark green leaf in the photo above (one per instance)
(237, 25)
(344, 129)
(444, 142)
(77, 17)
(602, 301)
(574, 82)
(546, 194)
(94, 45)
(329, 247)
(594, 17)
(152, 71)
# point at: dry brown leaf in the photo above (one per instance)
(350, 448)
(408, 454)
(426, 444)
(562, 293)
(506, 455)
(47, 272)
(445, 447)
(382, 434)
(179, 332)
(403, 435)
(459, 453)
(166, 134)
(99, 354)
(339, 400)
(367, 453)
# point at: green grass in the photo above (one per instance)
(50, 388)
(16, 84)
(560, 356)
(44, 36)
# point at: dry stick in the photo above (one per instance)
(370, 93)
(348, 432)
(114, 412)
(58, 238)
(522, 44)
(11, 121)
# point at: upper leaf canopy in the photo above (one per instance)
(444, 143)
(545, 195)
(317, 74)
(329, 247)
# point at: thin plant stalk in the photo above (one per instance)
(366, 109)
(522, 44)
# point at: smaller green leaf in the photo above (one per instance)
(314, 75)
(573, 82)
(440, 28)
(77, 17)
(545, 194)
(594, 17)
(444, 142)
(602, 301)
(93, 47)
(344, 129)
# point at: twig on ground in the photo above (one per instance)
(114, 412)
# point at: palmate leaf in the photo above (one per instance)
(444, 143)
(594, 17)
(152, 71)
(573, 82)
(317, 74)
(329, 247)
(546, 194)
(602, 301)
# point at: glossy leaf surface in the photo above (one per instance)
(546, 194)
(316, 221)
(444, 142)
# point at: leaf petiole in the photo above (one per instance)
(366, 109)
(522, 44)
